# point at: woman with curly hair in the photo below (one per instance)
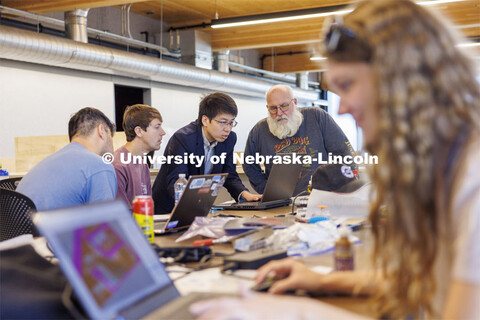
(398, 71)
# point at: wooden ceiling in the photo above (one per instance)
(292, 42)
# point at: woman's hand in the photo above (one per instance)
(295, 276)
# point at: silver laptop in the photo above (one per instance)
(110, 265)
(195, 201)
(279, 189)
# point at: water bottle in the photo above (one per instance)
(179, 186)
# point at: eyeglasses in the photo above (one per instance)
(343, 39)
(284, 107)
(224, 124)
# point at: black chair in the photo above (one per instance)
(15, 212)
(10, 184)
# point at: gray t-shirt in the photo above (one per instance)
(318, 133)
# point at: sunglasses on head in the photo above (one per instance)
(340, 38)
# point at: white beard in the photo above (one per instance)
(281, 129)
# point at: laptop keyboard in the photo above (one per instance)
(246, 204)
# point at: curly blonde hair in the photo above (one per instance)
(428, 99)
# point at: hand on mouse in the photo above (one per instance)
(293, 275)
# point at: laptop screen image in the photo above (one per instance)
(196, 201)
(279, 189)
(106, 259)
(281, 182)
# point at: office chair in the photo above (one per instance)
(10, 184)
(15, 210)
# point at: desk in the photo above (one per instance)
(363, 306)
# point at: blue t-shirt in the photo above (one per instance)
(69, 177)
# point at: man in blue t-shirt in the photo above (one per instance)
(76, 174)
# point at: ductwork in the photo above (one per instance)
(76, 25)
(222, 61)
(302, 80)
(21, 45)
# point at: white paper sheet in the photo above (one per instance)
(341, 205)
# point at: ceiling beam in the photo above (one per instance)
(49, 6)
(271, 35)
(292, 63)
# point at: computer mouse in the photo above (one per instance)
(269, 281)
(264, 285)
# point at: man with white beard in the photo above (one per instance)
(288, 129)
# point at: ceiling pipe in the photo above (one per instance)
(21, 45)
(274, 75)
(76, 25)
(91, 32)
(222, 61)
(302, 80)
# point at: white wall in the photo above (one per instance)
(34, 102)
(345, 121)
(38, 100)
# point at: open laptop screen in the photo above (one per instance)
(104, 255)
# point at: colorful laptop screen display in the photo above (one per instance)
(104, 255)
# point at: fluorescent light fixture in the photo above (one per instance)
(279, 16)
(470, 44)
(317, 58)
(435, 2)
(297, 14)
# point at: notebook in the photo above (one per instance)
(110, 265)
(279, 189)
(195, 201)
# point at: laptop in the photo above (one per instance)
(110, 265)
(195, 201)
(278, 191)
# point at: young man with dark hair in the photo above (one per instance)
(75, 174)
(211, 134)
(143, 128)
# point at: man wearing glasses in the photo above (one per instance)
(211, 134)
(287, 129)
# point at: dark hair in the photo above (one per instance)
(138, 115)
(216, 103)
(87, 119)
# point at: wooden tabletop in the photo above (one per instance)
(363, 306)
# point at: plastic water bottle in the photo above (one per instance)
(309, 186)
(179, 186)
